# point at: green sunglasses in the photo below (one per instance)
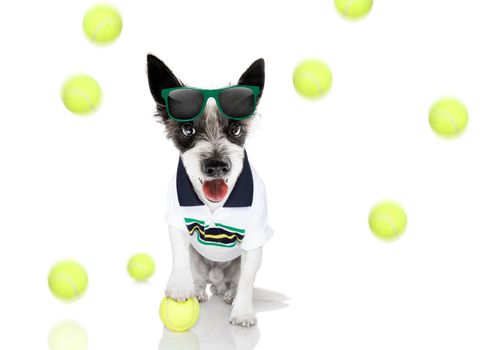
(185, 104)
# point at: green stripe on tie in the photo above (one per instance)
(189, 220)
(238, 230)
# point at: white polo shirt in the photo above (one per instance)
(240, 224)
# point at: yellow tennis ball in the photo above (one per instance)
(140, 267)
(68, 335)
(81, 94)
(102, 24)
(312, 78)
(353, 9)
(67, 280)
(179, 316)
(448, 117)
(387, 220)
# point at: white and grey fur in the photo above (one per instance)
(210, 139)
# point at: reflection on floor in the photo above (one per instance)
(213, 330)
(68, 335)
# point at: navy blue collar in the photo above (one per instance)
(241, 196)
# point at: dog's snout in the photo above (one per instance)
(215, 167)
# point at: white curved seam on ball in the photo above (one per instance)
(389, 221)
(85, 97)
(188, 323)
(314, 80)
(70, 281)
(452, 120)
(348, 5)
(100, 26)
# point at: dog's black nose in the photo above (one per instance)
(215, 167)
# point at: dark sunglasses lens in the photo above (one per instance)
(185, 104)
(237, 102)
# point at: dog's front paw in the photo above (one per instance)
(180, 287)
(201, 294)
(243, 318)
(229, 295)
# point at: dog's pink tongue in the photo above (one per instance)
(215, 190)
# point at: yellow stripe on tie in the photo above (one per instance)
(196, 228)
(221, 236)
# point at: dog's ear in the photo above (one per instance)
(254, 76)
(160, 77)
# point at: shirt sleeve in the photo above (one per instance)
(258, 231)
(174, 216)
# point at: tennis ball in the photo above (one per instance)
(67, 280)
(81, 94)
(387, 220)
(179, 316)
(141, 267)
(353, 9)
(448, 117)
(68, 335)
(312, 78)
(102, 24)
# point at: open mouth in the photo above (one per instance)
(215, 190)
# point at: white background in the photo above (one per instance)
(94, 188)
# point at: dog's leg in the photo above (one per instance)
(242, 313)
(232, 274)
(216, 276)
(199, 271)
(180, 284)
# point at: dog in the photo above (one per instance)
(217, 210)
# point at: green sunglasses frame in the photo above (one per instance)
(206, 95)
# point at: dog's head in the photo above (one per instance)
(211, 146)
